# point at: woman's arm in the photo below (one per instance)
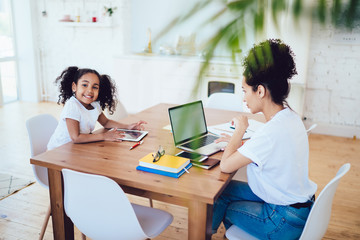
(73, 127)
(232, 160)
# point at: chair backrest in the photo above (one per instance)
(308, 131)
(99, 208)
(40, 128)
(225, 101)
(119, 113)
(319, 217)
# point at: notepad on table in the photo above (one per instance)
(207, 164)
(165, 173)
(168, 163)
(227, 128)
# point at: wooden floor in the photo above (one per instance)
(21, 214)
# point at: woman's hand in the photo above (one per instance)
(137, 126)
(240, 123)
(224, 138)
(113, 135)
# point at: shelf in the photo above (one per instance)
(87, 24)
(188, 58)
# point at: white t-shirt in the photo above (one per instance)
(279, 151)
(73, 109)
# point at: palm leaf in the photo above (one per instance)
(232, 35)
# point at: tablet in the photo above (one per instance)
(132, 135)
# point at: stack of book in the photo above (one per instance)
(167, 165)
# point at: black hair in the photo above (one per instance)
(107, 88)
(270, 64)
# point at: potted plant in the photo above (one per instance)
(109, 11)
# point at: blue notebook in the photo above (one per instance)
(165, 173)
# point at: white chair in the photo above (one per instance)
(100, 209)
(318, 219)
(119, 112)
(40, 128)
(225, 101)
(308, 131)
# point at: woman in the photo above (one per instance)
(278, 197)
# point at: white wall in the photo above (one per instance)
(61, 46)
(332, 78)
(332, 96)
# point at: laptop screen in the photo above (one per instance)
(187, 121)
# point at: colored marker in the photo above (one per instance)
(137, 144)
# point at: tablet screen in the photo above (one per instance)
(133, 135)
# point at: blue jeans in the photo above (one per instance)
(239, 206)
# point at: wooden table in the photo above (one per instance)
(197, 191)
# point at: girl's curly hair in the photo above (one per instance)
(107, 88)
(270, 64)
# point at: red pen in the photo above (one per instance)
(136, 144)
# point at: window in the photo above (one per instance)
(8, 62)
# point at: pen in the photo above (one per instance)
(234, 128)
(186, 170)
(136, 144)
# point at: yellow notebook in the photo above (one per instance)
(166, 163)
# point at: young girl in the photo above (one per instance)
(85, 94)
(276, 200)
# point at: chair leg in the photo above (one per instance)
(45, 223)
(151, 202)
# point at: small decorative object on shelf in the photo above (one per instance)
(90, 18)
(148, 49)
(66, 18)
(109, 10)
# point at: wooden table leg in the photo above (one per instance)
(63, 228)
(209, 216)
(199, 220)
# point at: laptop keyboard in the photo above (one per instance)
(198, 143)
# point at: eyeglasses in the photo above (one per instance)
(160, 152)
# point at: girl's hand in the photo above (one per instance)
(113, 135)
(224, 138)
(137, 126)
(240, 123)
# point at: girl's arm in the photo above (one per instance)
(107, 123)
(232, 160)
(77, 137)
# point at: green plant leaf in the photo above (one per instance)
(251, 15)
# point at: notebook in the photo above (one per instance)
(207, 164)
(227, 128)
(189, 129)
(165, 173)
(167, 163)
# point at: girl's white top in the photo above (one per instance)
(73, 109)
(279, 152)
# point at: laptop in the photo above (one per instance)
(189, 129)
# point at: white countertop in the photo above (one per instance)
(159, 57)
